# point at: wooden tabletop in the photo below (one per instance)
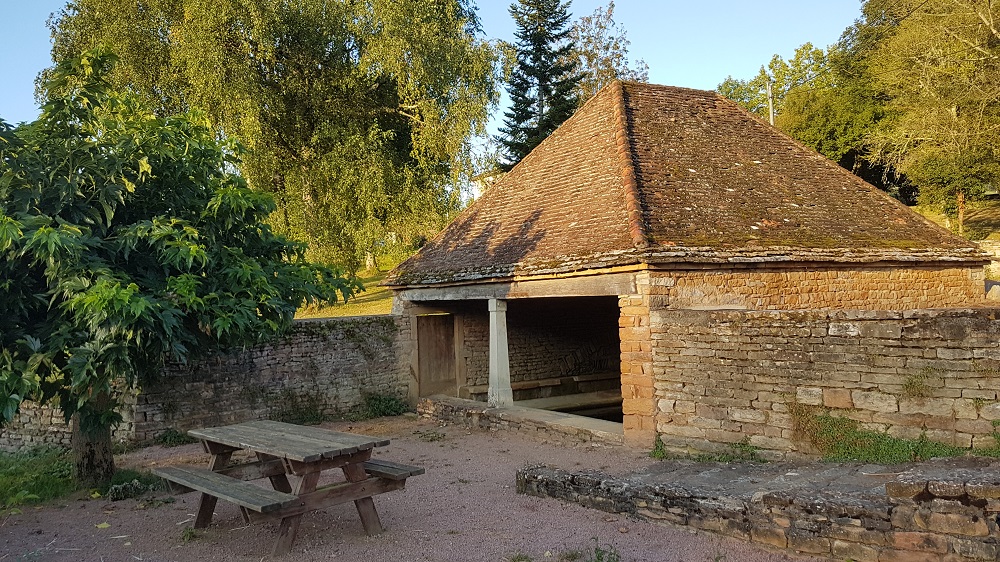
(286, 440)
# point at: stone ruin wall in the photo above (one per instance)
(721, 376)
(322, 367)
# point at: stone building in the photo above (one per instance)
(561, 279)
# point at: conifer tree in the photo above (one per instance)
(543, 83)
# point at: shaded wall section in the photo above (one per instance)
(557, 346)
(320, 368)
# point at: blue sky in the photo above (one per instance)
(685, 43)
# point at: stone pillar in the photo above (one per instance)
(638, 393)
(500, 393)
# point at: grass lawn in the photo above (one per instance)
(375, 299)
(982, 219)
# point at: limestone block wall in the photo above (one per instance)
(857, 287)
(722, 375)
(322, 367)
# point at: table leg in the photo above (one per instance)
(290, 525)
(366, 507)
(280, 481)
(206, 507)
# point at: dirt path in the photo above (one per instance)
(464, 509)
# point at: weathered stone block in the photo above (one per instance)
(921, 542)
(837, 398)
(774, 536)
(844, 550)
(951, 523)
(809, 396)
(875, 401)
(930, 406)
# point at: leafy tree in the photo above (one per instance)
(358, 115)
(939, 63)
(127, 240)
(600, 48)
(808, 68)
(544, 79)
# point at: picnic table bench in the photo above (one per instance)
(287, 451)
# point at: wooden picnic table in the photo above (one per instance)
(292, 457)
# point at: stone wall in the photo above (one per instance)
(321, 368)
(859, 287)
(946, 517)
(721, 376)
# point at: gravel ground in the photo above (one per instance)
(465, 508)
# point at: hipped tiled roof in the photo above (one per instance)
(662, 175)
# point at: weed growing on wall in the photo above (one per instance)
(173, 438)
(303, 408)
(843, 439)
(738, 452)
(915, 386)
(377, 406)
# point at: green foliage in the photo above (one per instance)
(738, 452)
(600, 49)
(173, 438)
(379, 405)
(359, 114)
(659, 449)
(127, 239)
(382, 405)
(544, 79)
(302, 408)
(34, 475)
(915, 386)
(843, 439)
(128, 489)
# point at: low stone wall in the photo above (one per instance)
(922, 518)
(544, 424)
(722, 376)
(319, 369)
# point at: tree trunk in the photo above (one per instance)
(93, 458)
(961, 213)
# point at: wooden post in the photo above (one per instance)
(500, 393)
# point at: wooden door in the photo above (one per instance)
(436, 355)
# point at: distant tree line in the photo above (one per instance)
(908, 98)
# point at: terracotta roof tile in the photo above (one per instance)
(656, 174)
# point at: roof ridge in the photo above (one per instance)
(633, 204)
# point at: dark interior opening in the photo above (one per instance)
(565, 355)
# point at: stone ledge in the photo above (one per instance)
(830, 510)
(479, 415)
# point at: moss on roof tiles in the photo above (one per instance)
(712, 183)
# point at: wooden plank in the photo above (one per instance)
(255, 470)
(236, 491)
(305, 444)
(391, 470)
(206, 504)
(361, 441)
(335, 494)
(256, 440)
(365, 506)
(299, 468)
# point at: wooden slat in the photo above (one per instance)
(391, 470)
(230, 489)
(301, 443)
(360, 441)
(254, 470)
(257, 440)
(327, 496)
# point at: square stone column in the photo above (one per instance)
(499, 393)
(638, 401)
